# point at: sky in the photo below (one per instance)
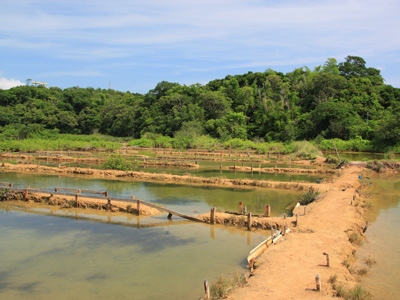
(132, 45)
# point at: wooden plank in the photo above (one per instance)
(172, 212)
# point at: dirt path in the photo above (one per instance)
(288, 269)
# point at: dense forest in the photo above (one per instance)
(345, 100)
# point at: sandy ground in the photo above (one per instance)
(288, 269)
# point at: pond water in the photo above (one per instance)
(383, 238)
(211, 169)
(49, 257)
(51, 253)
(183, 198)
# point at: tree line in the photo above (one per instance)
(345, 100)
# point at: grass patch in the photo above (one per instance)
(355, 239)
(222, 286)
(369, 261)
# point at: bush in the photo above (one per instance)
(144, 143)
(116, 162)
(310, 196)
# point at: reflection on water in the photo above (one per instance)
(383, 238)
(48, 257)
(186, 199)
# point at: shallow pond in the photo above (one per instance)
(49, 257)
(183, 198)
(58, 254)
(383, 238)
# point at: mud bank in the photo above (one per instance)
(85, 203)
(282, 170)
(288, 270)
(151, 177)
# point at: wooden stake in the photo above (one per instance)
(76, 200)
(240, 207)
(25, 195)
(138, 207)
(212, 216)
(318, 283)
(108, 204)
(267, 210)
(206, 290)
(284, 230)
(244, 210)
(327, 258)
(284, 215)
(249, 221)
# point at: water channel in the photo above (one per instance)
(59, 254)
(382, 242)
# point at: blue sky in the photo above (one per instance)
(136, 44)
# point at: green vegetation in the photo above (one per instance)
(310, 196)
(345, 101)
(116, 162)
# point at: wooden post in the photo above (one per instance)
(108, 204)
(25, 195)
(206, 290)
(284, 215)
(244, 210)
(212, 216)
(106, 193)
(76, 200)
(169, 216)
(249, 221)
(318, 283)
(267, 210)
(284, 230)
(327, 258)
(138, 207)
(240, 207)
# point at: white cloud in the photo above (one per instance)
(6, 84)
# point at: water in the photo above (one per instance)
(383, 238)
(211, 169)
(48, 257)
(183, 198)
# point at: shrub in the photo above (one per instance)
(309, 196)
(116, 162)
